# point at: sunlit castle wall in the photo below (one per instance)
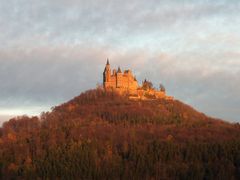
(119, 80)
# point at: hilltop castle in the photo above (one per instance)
(118, 80)
(126, 83)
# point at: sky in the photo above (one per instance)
(51, 51)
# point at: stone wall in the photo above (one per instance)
(119, 80)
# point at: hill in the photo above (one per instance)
(102, 135)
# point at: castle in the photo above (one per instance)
(125, 82)
(119, 80)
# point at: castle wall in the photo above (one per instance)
(119, 80)
(111, 83)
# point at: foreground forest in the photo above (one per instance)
(101, 135)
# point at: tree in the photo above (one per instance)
(162, 88)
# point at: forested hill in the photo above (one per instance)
(102, 135)
(167, 118)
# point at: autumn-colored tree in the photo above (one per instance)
(101, 135)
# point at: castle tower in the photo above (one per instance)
(119, 80)
(106, 73)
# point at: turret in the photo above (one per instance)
(119, 70)
(107, 72)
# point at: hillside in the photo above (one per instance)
(102, 135)
(161, 116)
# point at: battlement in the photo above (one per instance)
(127, 83)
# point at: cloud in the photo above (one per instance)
(52, 50)
(209, 82)
(4, 118)
(51, 75)
(109, 21)
(44, 72)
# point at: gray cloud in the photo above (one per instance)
(114, 21)
(57, 74)
(52, 50)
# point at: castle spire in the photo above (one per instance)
(107, 67)
(106, 73)
(119, 70)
